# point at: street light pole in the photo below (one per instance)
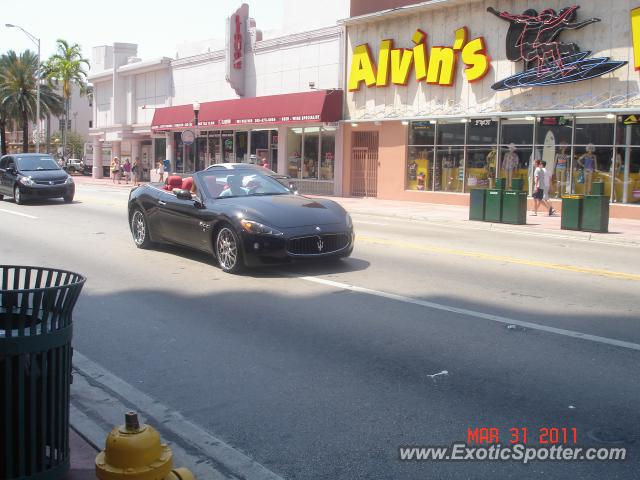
(196, 111)
(37, 42)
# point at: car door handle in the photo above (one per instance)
(205, 226)
(160, 202)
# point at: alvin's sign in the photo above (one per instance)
(437, 66)
(236, 41)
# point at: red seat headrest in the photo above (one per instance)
(187, 183)
(174, 181)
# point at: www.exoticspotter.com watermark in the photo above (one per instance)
(513, 453)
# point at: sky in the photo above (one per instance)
(158, 27)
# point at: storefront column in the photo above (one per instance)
(169, 150)
(97, 159)
(282, 151)
(338, 159)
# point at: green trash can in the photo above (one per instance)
(493, 206)
(501, 183)
(595, 213)
(517, 184)
(571, 212)
(597, 188)
(476, 203)
(514, 207)
(36, 307)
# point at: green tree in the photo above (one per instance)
(18, 93)
(66, 69)
(75, 143)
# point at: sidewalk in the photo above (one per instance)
(82, 457)
(621, 231)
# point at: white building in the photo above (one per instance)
(142, 107)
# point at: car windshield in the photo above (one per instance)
(29, 164)
(218, 184)
(244, 166)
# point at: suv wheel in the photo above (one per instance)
(17, 195)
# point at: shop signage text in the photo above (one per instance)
(235, 48)
(438, 67)
(635, 31)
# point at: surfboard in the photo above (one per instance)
(549, 151)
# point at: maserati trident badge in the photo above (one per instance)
(320, 245)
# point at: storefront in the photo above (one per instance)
(429, 123)
(293, 134)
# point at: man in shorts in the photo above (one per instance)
(547, 186)
(538, 188)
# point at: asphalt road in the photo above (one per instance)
(323, 371)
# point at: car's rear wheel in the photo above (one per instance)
(140, 230)
(17, 195)
(228, 250)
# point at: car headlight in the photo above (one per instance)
(258, 228)
(348, 220)
(69, 179)
(26, 181)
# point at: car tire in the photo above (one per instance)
(1, 197)
(68, 198)
(71, 170)
(140, 230)
(228, 250)
(17, 196)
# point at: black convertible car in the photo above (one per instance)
(243, 217)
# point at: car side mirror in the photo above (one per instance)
(182, 194)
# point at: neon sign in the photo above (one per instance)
(237, 45)
(438, 67)
(532, 39)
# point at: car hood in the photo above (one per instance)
(38, 175)
(288, 211)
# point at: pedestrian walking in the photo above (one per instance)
(538, 188)
(547, 186)
(115, 169)
(136, 172)
(126, 168)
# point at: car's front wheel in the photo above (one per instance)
(17, 195)
(228, 250)
(68, 198)
(140, 230)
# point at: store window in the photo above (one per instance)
(260, 148)
(593, 153)
(482, 156)
(213, 148)
(448, 170)
(226, 137)
(294, 152)
(554, 139)
(327, 153)
(310, 153)
(516, 151)
(241, 144)
(159, 151)
(626, 161)
(274, 150)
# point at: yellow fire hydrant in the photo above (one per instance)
(134, 452)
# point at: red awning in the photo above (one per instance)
(307, 107)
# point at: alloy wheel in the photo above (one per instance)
(17, 196)
(139, 228)
(227, 249)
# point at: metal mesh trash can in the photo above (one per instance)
(517, 184)
(476, 203)
(35, 370)
(571, 212)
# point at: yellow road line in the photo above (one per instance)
(499, 258)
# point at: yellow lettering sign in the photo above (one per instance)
(635, 30)
(437, 67)
(362, 68)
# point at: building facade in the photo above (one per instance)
(274, 101)
(445, 96)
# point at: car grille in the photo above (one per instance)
(55, 182)
(317, 244)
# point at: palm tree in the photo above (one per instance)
(18, 92)
(66, 69)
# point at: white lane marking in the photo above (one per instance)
(472, 313)
(17, 213)
(198, 446)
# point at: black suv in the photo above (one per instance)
(34, 175)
